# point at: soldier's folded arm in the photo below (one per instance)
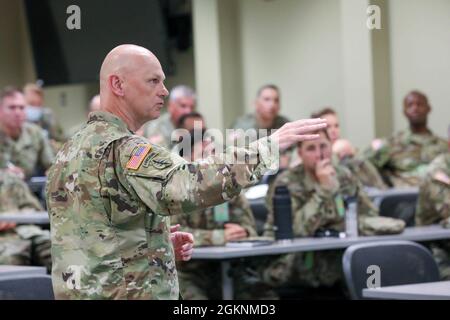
(169, 185)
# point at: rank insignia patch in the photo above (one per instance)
(138, 156)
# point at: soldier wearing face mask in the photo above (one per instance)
(42, 116)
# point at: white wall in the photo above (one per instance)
(295, 44)
(420, 56)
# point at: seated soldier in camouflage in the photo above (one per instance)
(433, 206)
(43, 116)
(403, 158)
(319, 191)
(24, 144)
(26, 244)
(216, 226)
(265, 118)
(347, 155)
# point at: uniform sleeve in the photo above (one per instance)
(18, 193)
(168, 185)
(380, 156)
(425, 211)
(365, 206)
(433, 204)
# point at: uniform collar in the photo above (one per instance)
(109, 118)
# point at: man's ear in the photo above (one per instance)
(115, 83)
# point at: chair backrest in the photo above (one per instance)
(259, 210)
(398, 203)
(397, 263)
(32, 287)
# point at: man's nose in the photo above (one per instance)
(164, 92)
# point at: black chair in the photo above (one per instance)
(259, 210)
(399, 262)
(400, 204)
(32, 287)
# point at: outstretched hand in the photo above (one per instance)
(296, 131)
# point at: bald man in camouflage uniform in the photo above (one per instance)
(404, 157)
(110, 193)
(25, 244)
(433, 206)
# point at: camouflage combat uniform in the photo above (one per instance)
(110, 196)
(403, 158)
(159, 131)
(364, 171)
(31, 151)
(314, 207)
(433, 206)
(25, 244)
(48, 123)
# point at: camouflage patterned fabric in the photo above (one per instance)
(159, 131)
(110, 194)
(25, 244)
(433, 206)
(15, 194)
(32, 151)
(403, 158)
(249, 121)
(314, 207)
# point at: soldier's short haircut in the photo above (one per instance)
(267, 86)
(184, 117)
(181, 91)
(8, 92)
(323, 112)
(416, 93)
(324, 131)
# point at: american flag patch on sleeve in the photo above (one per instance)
(138, 156)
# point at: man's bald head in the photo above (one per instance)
(132, 84)
(124, 59)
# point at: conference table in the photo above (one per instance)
(225, 254)
(439, 290)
